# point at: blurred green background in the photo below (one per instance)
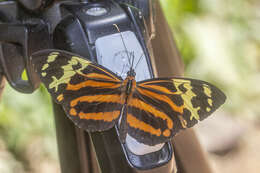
(219, 41)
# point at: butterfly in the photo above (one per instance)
(96, 99)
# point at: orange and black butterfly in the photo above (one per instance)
(96, 99)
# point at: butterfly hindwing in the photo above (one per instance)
(89, 93)
(161, 107)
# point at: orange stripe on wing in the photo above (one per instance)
(109, 74)
(92, 83)
(160, 97)
(105, 116)
(153, 81)
(148, 108)
(73, 112)
(137, 124)
(97, 98)
(101, 76)
(158, 88)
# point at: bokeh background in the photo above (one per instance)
(219, 41)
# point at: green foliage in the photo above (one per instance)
(176, 12)
(219, 42)
(24, 118)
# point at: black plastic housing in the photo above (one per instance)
(43, 24)
(77, 32)
(18, 40)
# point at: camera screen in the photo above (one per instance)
(116, 52)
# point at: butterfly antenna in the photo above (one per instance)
(129, 59)
(141, 57)
(122, 70)
(133, 59)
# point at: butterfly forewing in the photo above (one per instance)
(161, 107)
(89, 93)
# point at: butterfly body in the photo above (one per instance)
(128, 88)
(96, 99)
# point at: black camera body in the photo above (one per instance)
(90, 30)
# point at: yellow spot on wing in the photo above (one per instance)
(52, 57)
(183, 122)
(60, 97)
(69, 72)
(207, 90)
(210, 102)
(44, 74)
(187, 97)
(45, 66)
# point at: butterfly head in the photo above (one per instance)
(131, 72)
